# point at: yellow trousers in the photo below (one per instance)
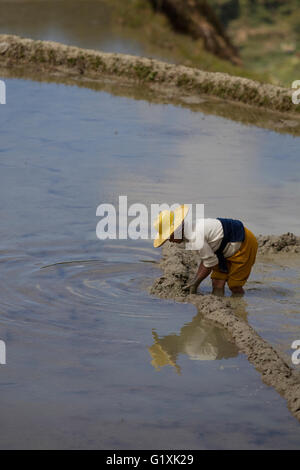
(240, 264)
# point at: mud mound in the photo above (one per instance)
(286, 243)
(179, 265)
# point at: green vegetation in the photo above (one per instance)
(161, 41)
(267, 33)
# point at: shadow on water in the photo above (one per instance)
(247, 115)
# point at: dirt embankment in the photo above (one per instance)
(179, 265)
(54, 58)
(198, 19)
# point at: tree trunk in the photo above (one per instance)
(198, 19)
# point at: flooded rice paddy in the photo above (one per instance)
(83, 366)
(90, 24)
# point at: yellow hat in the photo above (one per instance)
(167, 222)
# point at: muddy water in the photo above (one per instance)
(273, 302)
(92, 360)
(84, 23)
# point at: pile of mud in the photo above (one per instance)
(179, 266)
(286, 243)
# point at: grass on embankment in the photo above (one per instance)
(267, 34)
(50, 58)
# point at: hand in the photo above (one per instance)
(191, 288)
(202, 273)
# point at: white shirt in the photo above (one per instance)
(205, 235)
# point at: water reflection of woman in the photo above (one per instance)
(200, 340)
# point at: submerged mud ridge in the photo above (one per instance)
(52, 57)
(179, 265)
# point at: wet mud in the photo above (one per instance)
(285, 243)
(179, 265)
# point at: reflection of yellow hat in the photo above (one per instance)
(167, 222)
(161, 357)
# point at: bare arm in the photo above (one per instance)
(201, 274)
